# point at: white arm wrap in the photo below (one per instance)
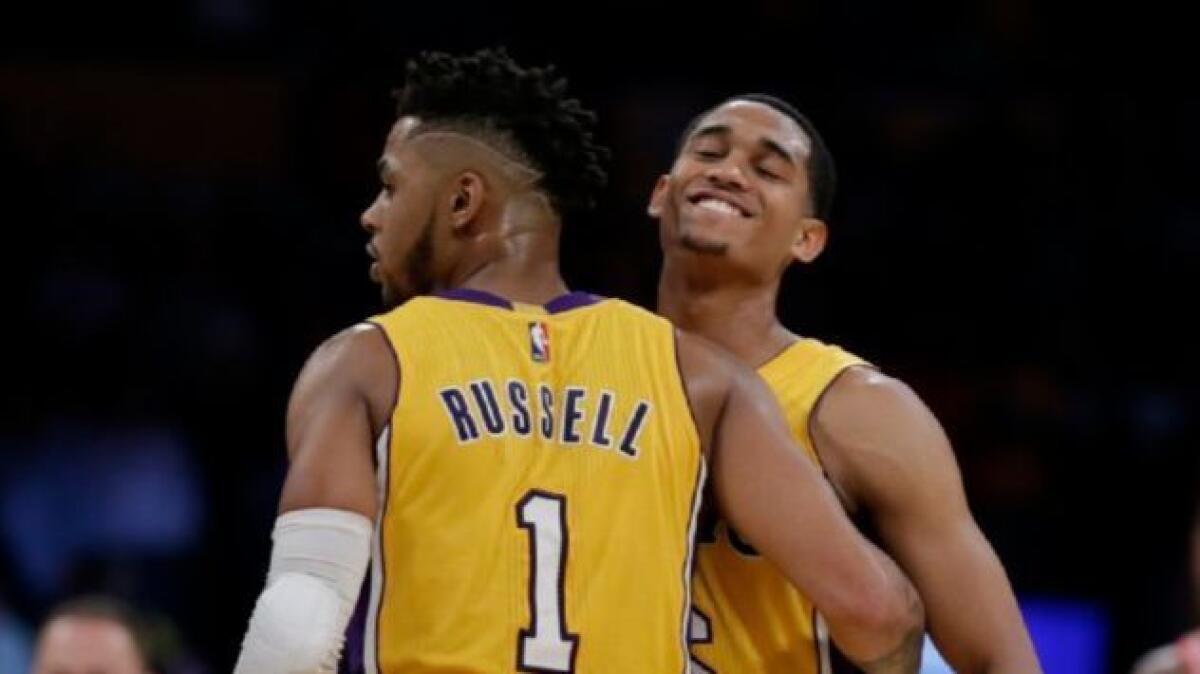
(318, 562)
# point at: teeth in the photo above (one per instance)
(718, 206)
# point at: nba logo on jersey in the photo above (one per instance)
(539, 342)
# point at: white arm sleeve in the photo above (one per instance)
(318, 562)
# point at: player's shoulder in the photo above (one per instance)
(881, 444)
(864, 389)
(357, 361)
(806, 351)
(615, 306)
(412, 307)
(362, 336)
(855, 393)
(621, 319)
(808, 367)
(358, 349)
(875, 417)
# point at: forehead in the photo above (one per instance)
(401, 131)
(753, 122)
(399, 135)
(95, 638)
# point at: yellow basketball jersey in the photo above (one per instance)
(541, 477)
(748, 617)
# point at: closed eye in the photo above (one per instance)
(769, 174)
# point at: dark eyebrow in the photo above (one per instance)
(383, 167)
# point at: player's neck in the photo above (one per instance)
(519, 260)
(523, 271)
(739, 318)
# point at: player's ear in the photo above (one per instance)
(810, 240)
(658, 197)
(466, 199)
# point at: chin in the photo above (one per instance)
(703, 244)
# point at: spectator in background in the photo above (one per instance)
(91, 635)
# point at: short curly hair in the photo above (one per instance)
(488, 94)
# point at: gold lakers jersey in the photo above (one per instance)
(748, 617)
(540, 480)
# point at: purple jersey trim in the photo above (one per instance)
(570, 301)
(352, 660)
(475, 296)
(559, 304)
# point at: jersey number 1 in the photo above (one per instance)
(546, 645)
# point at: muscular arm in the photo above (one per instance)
(338, 407)
(888, 456)
(322, 536)
(773, 495)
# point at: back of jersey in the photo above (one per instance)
(539, 479)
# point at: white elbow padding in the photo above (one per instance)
(318, 561)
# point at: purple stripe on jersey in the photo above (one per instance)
(570, 301)
(352, 654)
(559, 304)
(476, 296)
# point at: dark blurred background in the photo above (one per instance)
(1015, 235)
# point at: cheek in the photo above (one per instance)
(781, 218)
(770, 238)
(394, 246)
(670, 190)
(398, 227)
(392, 232)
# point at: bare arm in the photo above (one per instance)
(322, 537)
(339, 405)
(888, 455)
(768, 489)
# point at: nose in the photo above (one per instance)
(367, 218)
(727, 174)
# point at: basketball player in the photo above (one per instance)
(539, 454)
(747, 196)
